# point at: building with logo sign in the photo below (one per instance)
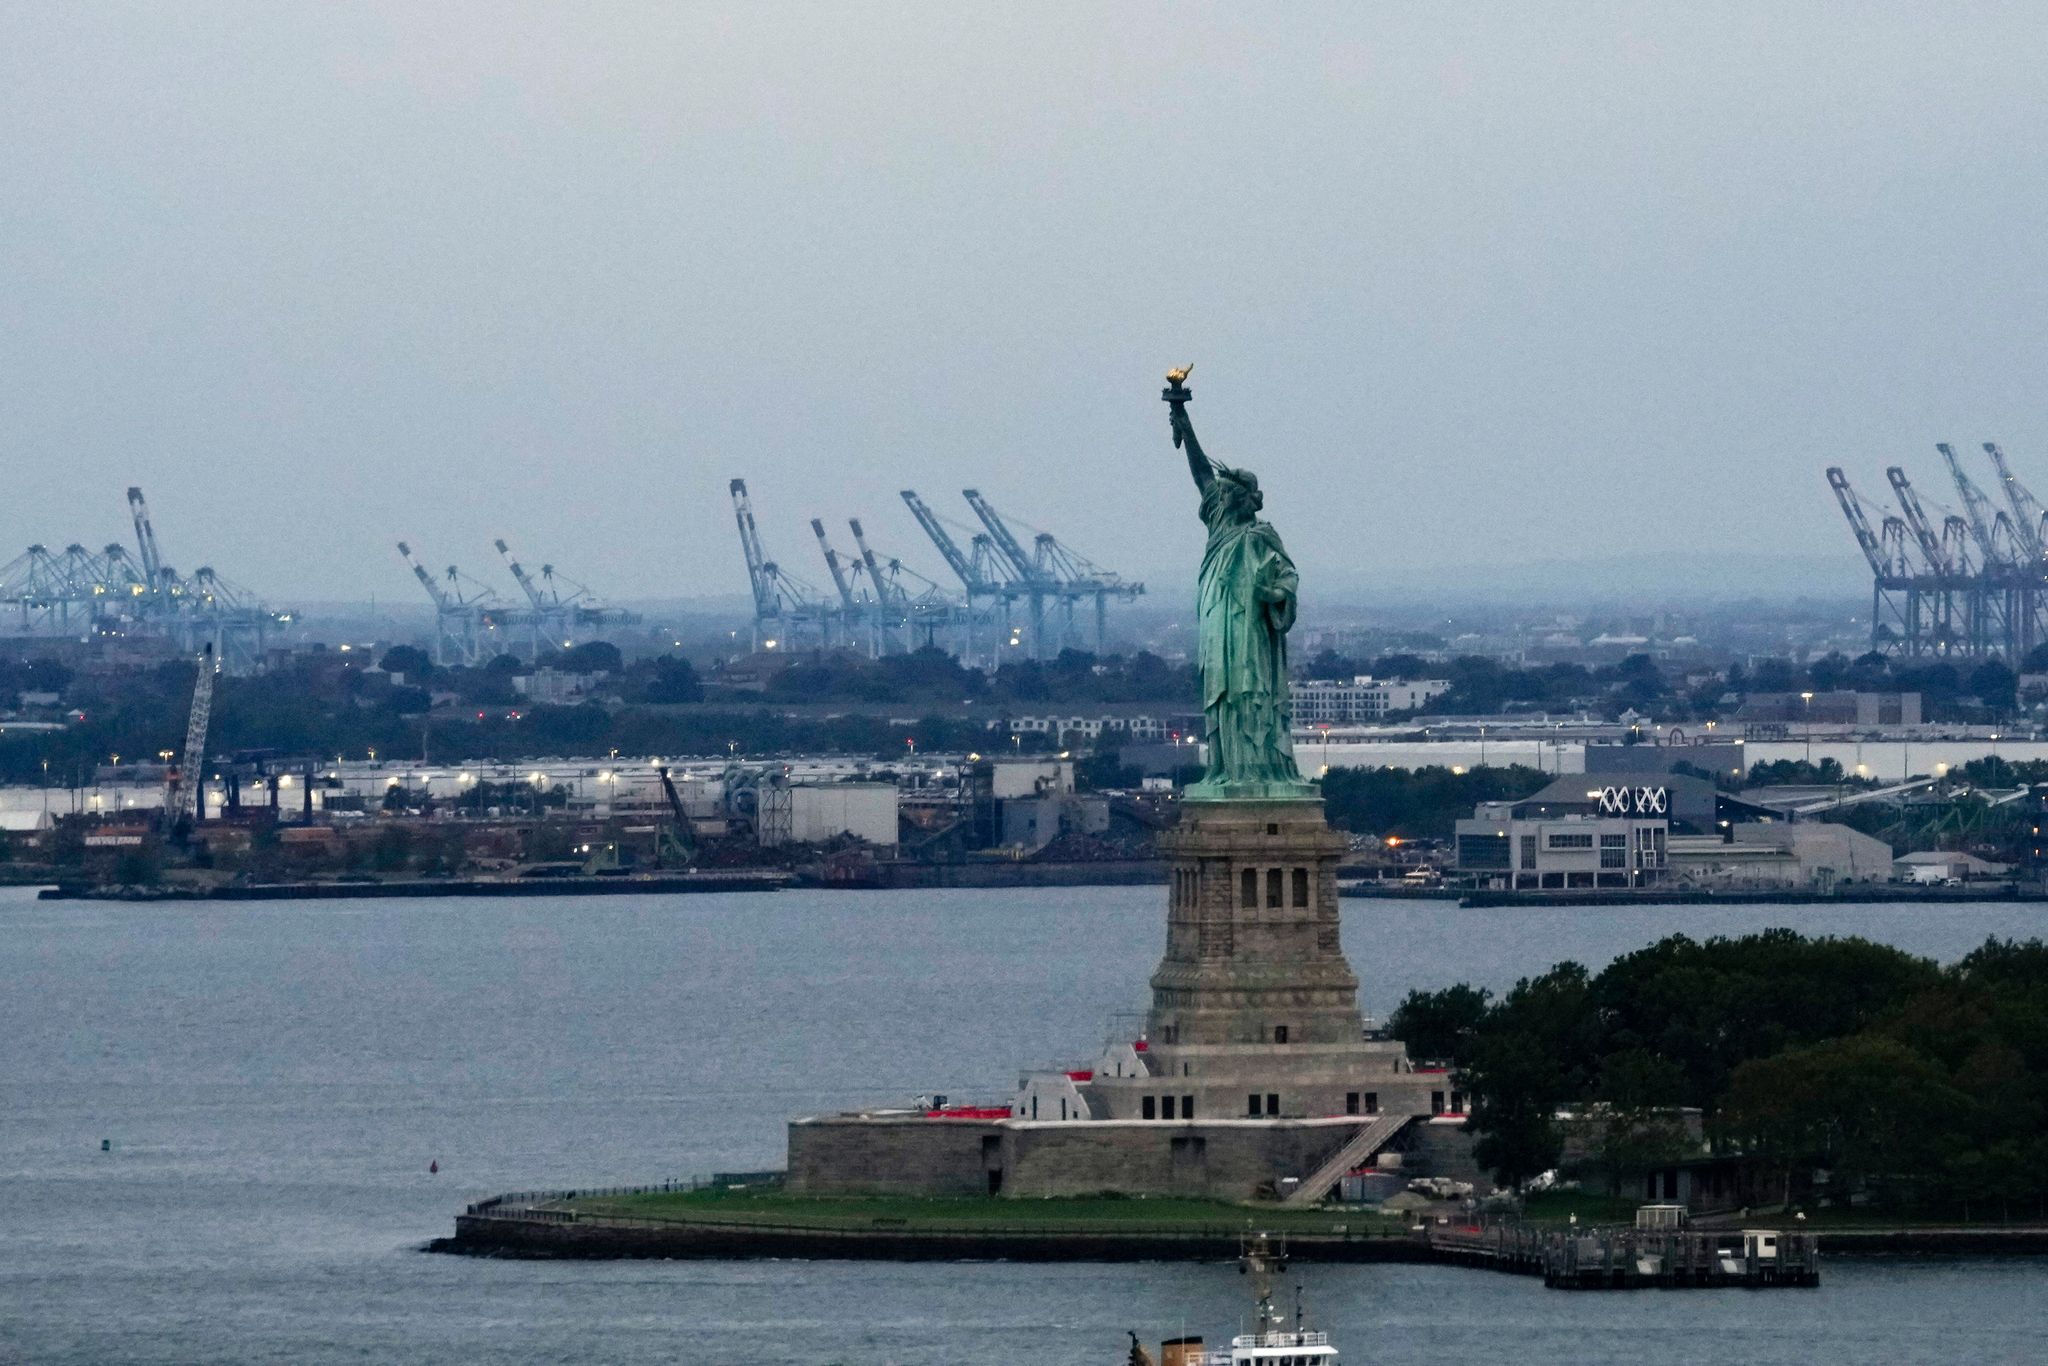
(1596, 830)
(1692, 805)
(1642, 829)
(1563, 852)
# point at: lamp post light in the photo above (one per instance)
(1806, 698)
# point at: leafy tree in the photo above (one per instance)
(1829, 672)
(1099, 772)
(1994, 685)
(669, 681)
(1774, 675)
(1857, 1105)
(1440, 1024)
(409, 661)
(1533, 1055)
(1422, 803)
(408, 701)
(591, 657)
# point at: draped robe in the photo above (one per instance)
(1247, 605)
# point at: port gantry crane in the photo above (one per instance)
(1960, 620)
(786, 609)
(1036, 584)
(986, 577)
(461, 618)
(1058, 572)
(203, 607)
(1973, 584)
(923, 615)
(553, 617)
(857, 611)
(116, 593)
(2030, 521)
(880, 605)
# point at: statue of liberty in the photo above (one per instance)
(1246, 608)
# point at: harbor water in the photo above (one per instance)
(272, 1081)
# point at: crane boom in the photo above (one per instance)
(1006, 540)
(1975, 505)
(887, 590)
(1852, 509)
(832, 563)
(2027, 515)
(525, 580)
(145, 538)
(948, 550)
(758, 570)
(419, 571)
(1916, 519)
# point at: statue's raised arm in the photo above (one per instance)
(1177, 395)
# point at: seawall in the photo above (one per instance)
(537, 1233)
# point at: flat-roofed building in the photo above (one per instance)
(1332, 702)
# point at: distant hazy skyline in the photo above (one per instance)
(1466, 286)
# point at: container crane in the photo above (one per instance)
(970, 578)
(153, 572)
(1992, 531)
(1852, 509)
(779, 597)
(2030, 522)
(458, 616)
(1080, 578)
(1916, 519)
(926, 612)
(855, 609)
(1035, 584)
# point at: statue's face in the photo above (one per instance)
(1240, 504)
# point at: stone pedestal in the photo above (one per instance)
(1254, 1007)
(1252, 950)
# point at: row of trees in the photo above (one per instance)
(932, 675)
(1482, 685)
(1419, 803)
(1920, 1085)
(318, 706)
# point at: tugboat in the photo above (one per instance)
(1273, 1344)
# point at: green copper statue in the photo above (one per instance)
(1246, 609)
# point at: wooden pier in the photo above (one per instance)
(1634, 1258)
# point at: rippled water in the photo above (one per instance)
(275, 1079)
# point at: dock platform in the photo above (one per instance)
(1634, 1258)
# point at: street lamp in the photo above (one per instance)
(1806, 719)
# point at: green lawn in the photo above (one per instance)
(1558, 1207)
(1084, 1214)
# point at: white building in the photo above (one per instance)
(1365, 698)
(1507, 851)
(1780, 854)
(825, 811)
(1090, 727)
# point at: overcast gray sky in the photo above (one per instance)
(1463, 284)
